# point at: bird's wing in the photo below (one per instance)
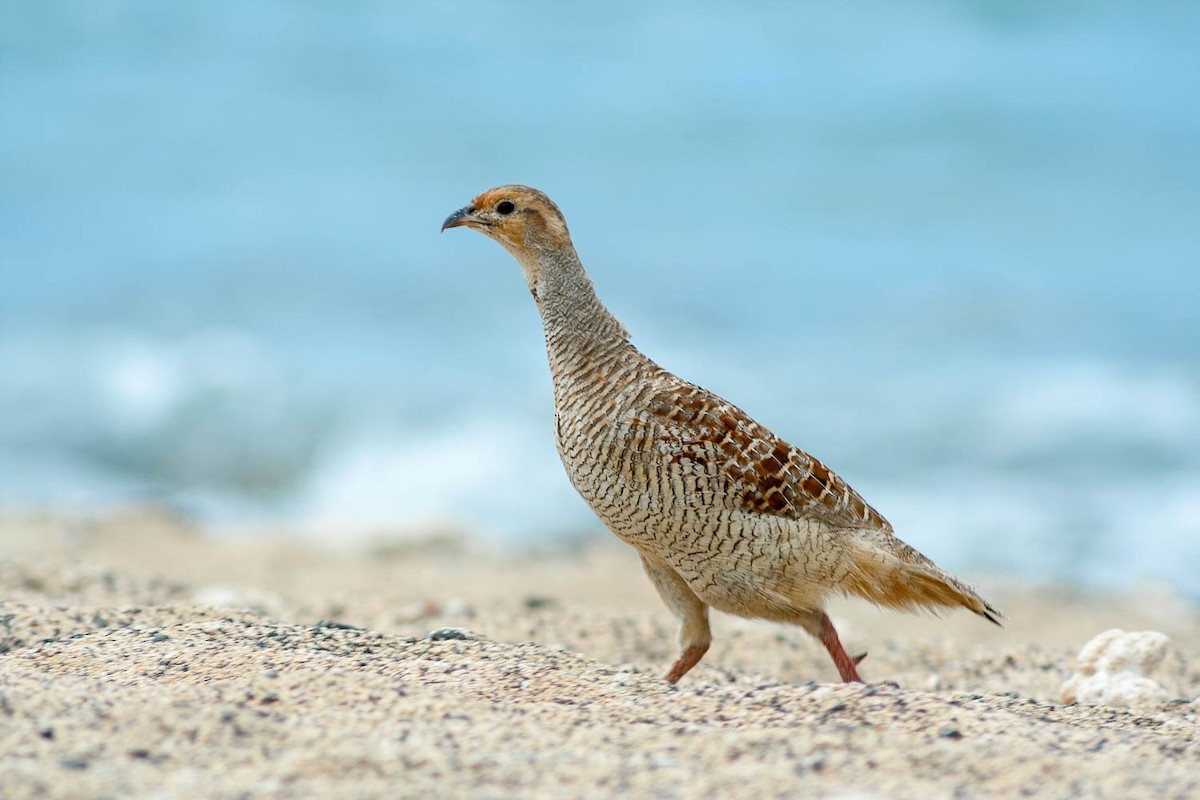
(764, 473)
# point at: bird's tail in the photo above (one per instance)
(889, 573)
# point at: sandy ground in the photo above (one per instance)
(143, 658)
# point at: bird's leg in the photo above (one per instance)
(845, 664)
(694, 633)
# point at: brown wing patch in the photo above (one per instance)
(762, 472)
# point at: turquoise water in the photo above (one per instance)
(951, 248)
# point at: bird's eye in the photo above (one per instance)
(505, 207)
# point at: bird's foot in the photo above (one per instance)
(687, 659)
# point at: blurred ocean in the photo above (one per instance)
(951, 248)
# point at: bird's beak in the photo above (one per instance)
(464, 216)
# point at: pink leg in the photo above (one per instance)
(689, 658)
(844, 663)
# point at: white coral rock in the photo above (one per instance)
(1115, 669)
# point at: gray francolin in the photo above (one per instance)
(722, 512)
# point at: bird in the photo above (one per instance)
(723, 513)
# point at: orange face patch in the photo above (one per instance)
(535, 215)
(487, 201)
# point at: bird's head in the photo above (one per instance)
(532, 228)
(525, 221)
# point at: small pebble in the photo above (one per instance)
(449, 633)
(335, 625)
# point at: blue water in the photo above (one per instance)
(951, 248)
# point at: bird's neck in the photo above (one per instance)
(576, 323)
